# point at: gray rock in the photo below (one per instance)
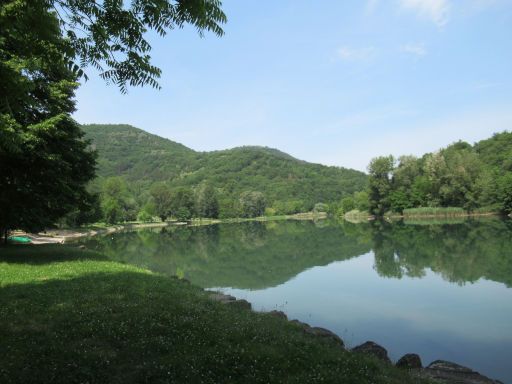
(300, 323)
(81, 246)
(217, 296)
(244, 304)
(324, 333)
(448, 372)
(410, 361)
(279, 314)
(373, 349)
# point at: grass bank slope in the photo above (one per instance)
(68, 316)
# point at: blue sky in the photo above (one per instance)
(332, 82)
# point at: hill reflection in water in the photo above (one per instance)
(258, 255)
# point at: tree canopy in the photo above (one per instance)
(44, 161)
(109, 35)
(460, 175)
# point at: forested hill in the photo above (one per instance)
(288, 184)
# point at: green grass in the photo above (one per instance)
(434, 211)
(68, 315)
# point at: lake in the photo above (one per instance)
(442, 290)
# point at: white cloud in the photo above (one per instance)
(417, 49)
(438, 11)
(356, 54)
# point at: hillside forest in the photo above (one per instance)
(144, 177)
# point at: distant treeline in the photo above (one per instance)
(115, 203)
(460, 177)
(143, 176)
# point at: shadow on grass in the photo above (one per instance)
(45, 254)
(129, 327)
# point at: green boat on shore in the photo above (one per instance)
(19, 239)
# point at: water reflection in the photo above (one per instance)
(259, 255)
(461, 253)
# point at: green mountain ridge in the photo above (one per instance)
(144, 159)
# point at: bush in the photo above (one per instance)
(348, 204)
(183, 214)
(320, 207)
(144, 216)
(252, 204)
(270, 211)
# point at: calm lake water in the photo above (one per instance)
(443, 291)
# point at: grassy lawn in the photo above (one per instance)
(68, 315)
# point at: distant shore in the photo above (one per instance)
(364, 216)
(65, 235)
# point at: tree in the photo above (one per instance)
(361, 201)
(347, 204)
(44, 161)
(88, 212)
(182, 203)
(252, 204)
(464, 169)
(117, 202)
(147, 212)
(405, 173)
(112, 211)
(505, 192)
(183, 214)
(420, 191)
(207, 204)
(162, 200)
(435, 169)
(289, 207)
(380, 170)
(399, 200)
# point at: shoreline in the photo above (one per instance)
(448, 216)
(66, 235)
(369, 217)
(63, 236)
(442, 371)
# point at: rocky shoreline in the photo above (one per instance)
(440, 370)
